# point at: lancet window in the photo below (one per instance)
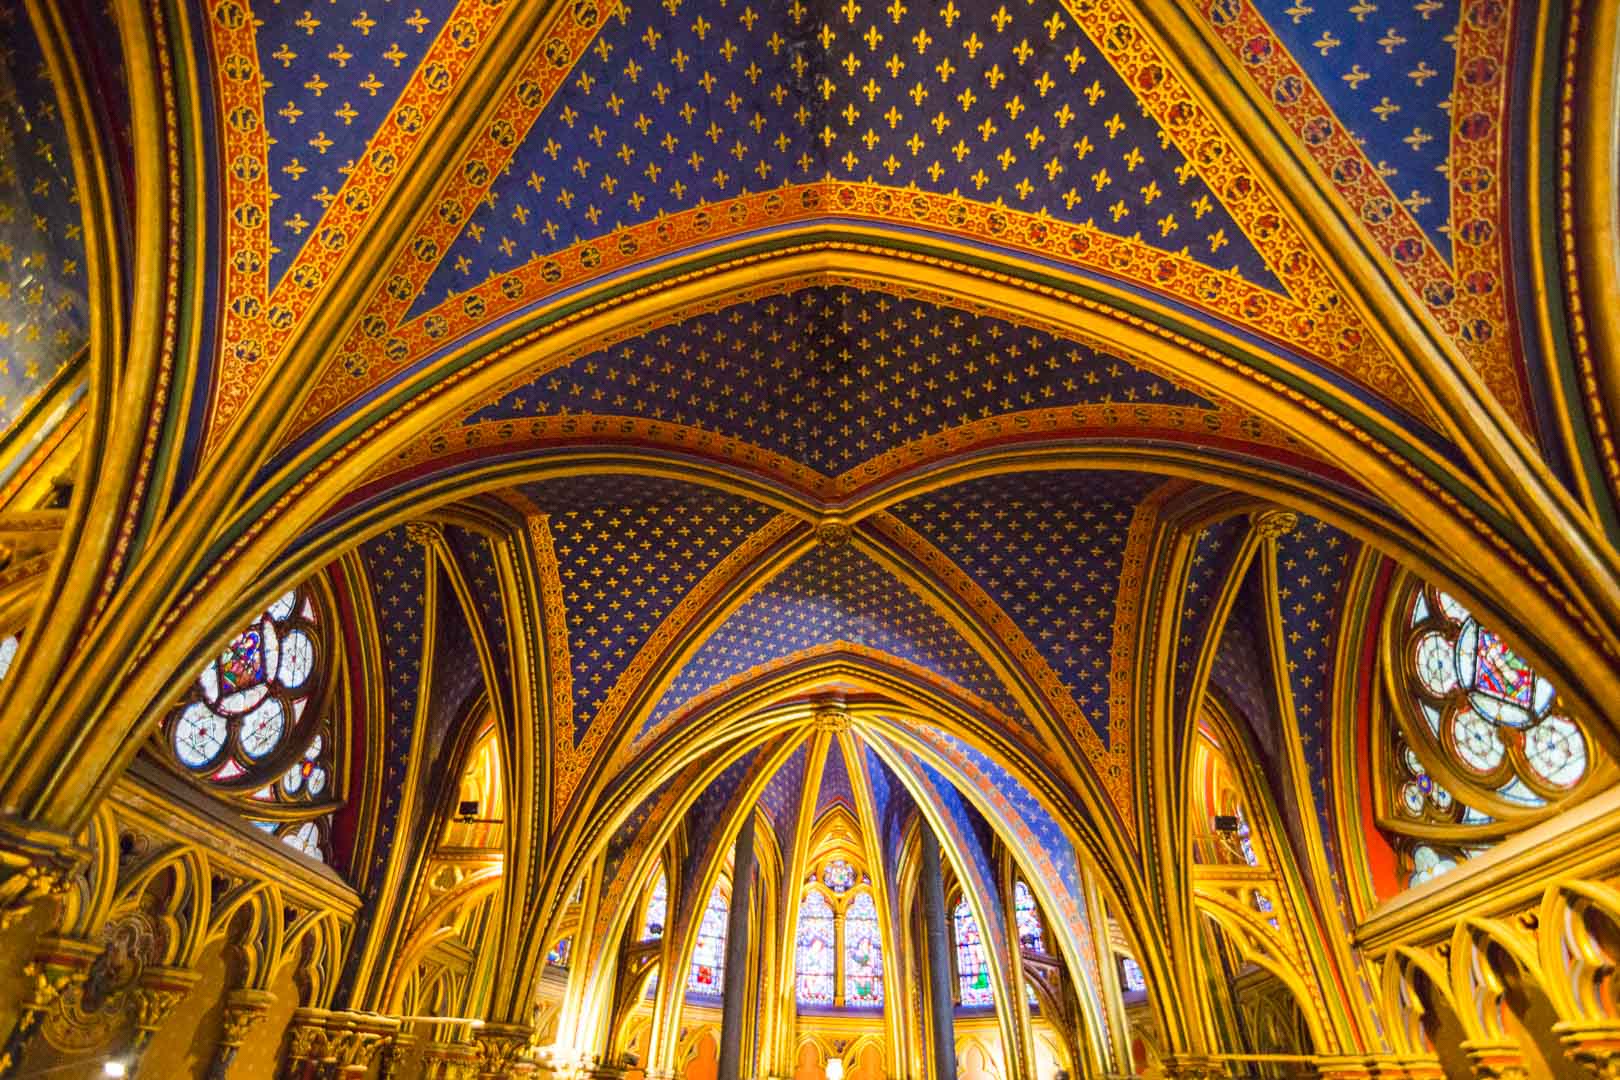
(1481, 744)
(863, 954)
(1031, 934)
(972, 971)
(652, 924)
(708, 971)
(815, 950)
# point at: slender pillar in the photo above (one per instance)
(941, 1024)
(735, 989)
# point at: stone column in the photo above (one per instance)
(734, 992)
(244, 1010)
(942, 1025)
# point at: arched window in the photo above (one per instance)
(254, 723)
(657, 909)
(1031, 934)
(863, 954)
(972, 973)
(708, 974)
(815, 950)
(1482, 744)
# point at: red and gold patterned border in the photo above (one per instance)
(1133, 570)
(256, 323)
(1335, 337)
(1111, 762)
(1468, 301)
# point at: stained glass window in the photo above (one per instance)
(838, 876)
(1130, 975)
(815, 950)
(8, 653)
(558, 956)
(253, 724)
(863, 954)
(247, 718)
(972, 972)
(1483, 741)
(657, 909)
(1031, 935)
(709, 958)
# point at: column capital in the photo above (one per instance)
(1593, 1046)
(499, 1048)
(244, 1010)
(1378, 1067)
(1496, 1060)
(1192, 1067)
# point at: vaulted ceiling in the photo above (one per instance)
(729, 356)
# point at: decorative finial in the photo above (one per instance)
(832, 534)
(832, 719)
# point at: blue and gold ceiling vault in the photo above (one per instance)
(44, 317)
(801, 347)
(1057, 130)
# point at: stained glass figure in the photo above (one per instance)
(657, 909)
(972, 972)
(815, 950)
(558, 956)
(838, 876)
(1130, 976)
(709, 958)
(863, 955)
(1031, 934)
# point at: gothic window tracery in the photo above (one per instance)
(254, 724)
(1481, 743)
(708, 972)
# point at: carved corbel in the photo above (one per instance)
(244, 1011)
(1592, 1047)
(449, 1061)
(35, 865)
(150, 1002)
(58, 970)
(306, 1044)
(500, 1047)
